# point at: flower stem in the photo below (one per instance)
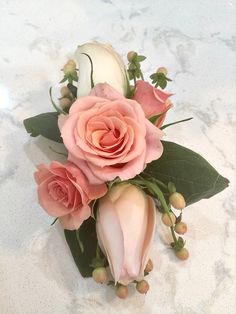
(98, 252)
(158, 193)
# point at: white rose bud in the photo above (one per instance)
(108, 67)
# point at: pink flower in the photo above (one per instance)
(64, 192)
(153, 101)
(126, 220)
(109, 137)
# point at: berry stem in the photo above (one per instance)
(173, 234)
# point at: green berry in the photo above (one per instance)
(181, 228)
(182, 254)
(168, 219)
(65, 103)
(100, 275)
(162, 70)
(177, 200)
(69, 67)
(65, 92)
(142, 287)
(131, 55)
(121, 291)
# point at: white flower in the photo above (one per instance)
(108, 67)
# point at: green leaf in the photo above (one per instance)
(44, 124)
(140, 58)
(154, 119)
(63, 80)
(173, 123)
(162, 83)
(83, 257)
(192, 175)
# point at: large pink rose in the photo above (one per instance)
(153, 100)
(64, 192)
(109, 137)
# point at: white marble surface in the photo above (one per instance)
(195, 40)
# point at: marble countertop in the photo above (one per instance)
(196, 41)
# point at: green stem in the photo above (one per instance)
(141, 74)
(54, 105)
(134, 80)
(79, 241)
(98, 252)
(159, 182)
(173, 234)
(158, 193)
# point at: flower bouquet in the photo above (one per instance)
(118, 171)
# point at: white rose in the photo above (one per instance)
(108, 67)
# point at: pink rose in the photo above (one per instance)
(64, 192)
(110, 137)
(126, 220)
(153, 101)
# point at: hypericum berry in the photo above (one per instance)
(72, 63)
(65, 103)
(181, 227)
(149, 266)
(177, 200)
(168, 219)
(162, 70)
(131, 55)
(100, 275)
(182, 254)
(69, 67)
(121, 291)
(142, 286)
(65, 92)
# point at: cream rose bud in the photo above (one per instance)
(108, 67)
(126, 220)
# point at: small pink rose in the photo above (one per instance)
(110, 137)
(64, 192)
(153, 101)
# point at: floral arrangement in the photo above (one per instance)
(118, 173)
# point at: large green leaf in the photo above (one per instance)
(83, 255)
(193, 176)
(44, 124)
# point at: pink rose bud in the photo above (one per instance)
(149, 266)
(100, 275)
(142, 287)
(181, 228)
(126, 221)
(153, 101)
(122, 291)
(177, 200)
